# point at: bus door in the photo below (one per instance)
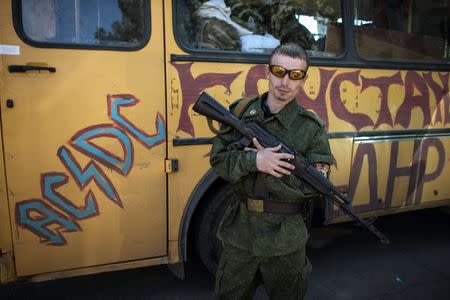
(83, 119)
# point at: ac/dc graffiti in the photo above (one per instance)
(416, 85)
(37, 215)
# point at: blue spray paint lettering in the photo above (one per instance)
(36, 215)
(51, 181)
(39, 224)
(116, 102)
(82, 142)
(91, 172)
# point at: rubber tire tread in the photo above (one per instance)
(207, 245)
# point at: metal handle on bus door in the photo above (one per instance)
(25, 68)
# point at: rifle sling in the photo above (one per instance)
(241, 107)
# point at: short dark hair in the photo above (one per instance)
(292, 50)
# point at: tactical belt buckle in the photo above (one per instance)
(255, 205)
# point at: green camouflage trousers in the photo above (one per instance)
(239, 274)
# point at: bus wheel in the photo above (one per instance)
(208, 246)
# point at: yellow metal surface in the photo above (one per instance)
(375, 180)
(99, 269)
(173, 252)
(434, 189)
(60, 135)
(399, 173)
(7, 270)
(340, 170)
(192, 166)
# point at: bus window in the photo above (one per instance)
(102, 23)
(402, 30)
(259, 26)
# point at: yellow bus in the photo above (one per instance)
(105, 166)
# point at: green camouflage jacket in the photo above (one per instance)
(267, 234)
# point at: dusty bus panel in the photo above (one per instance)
(105, 166)
(85, 138)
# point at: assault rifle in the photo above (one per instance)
(209, 107)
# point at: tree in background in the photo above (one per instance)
(131, 28)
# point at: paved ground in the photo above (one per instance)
(348, 264)
(416, 265)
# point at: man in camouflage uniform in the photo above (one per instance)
(264, 236)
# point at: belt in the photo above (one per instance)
(276, 207)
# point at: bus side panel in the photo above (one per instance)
(184, 123)
(84, 153)
(434, 167)
(404, 170)
(357, 106)
(7, 271)
(396, 175)
(376, 187)
(349, 101)
(340, 170)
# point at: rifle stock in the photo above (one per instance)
(209, 107)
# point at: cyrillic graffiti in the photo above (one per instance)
(395, 171)
(427, 177)
(37, 215)
(365, 150)
(441, 94)
(383, 84)
(415, 171)
(192, 87)
(415, 85)
(417, 88)
(414, 81)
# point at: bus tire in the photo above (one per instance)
(207, 245)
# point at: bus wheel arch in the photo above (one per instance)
(206, 223)
(199, 201)
(201, 218)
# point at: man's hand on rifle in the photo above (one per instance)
(270, 161)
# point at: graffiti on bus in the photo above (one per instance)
(37, 215)
(422, 91)
(418, 88)
(417, 172)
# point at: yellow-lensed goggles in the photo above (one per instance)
(279, 71)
